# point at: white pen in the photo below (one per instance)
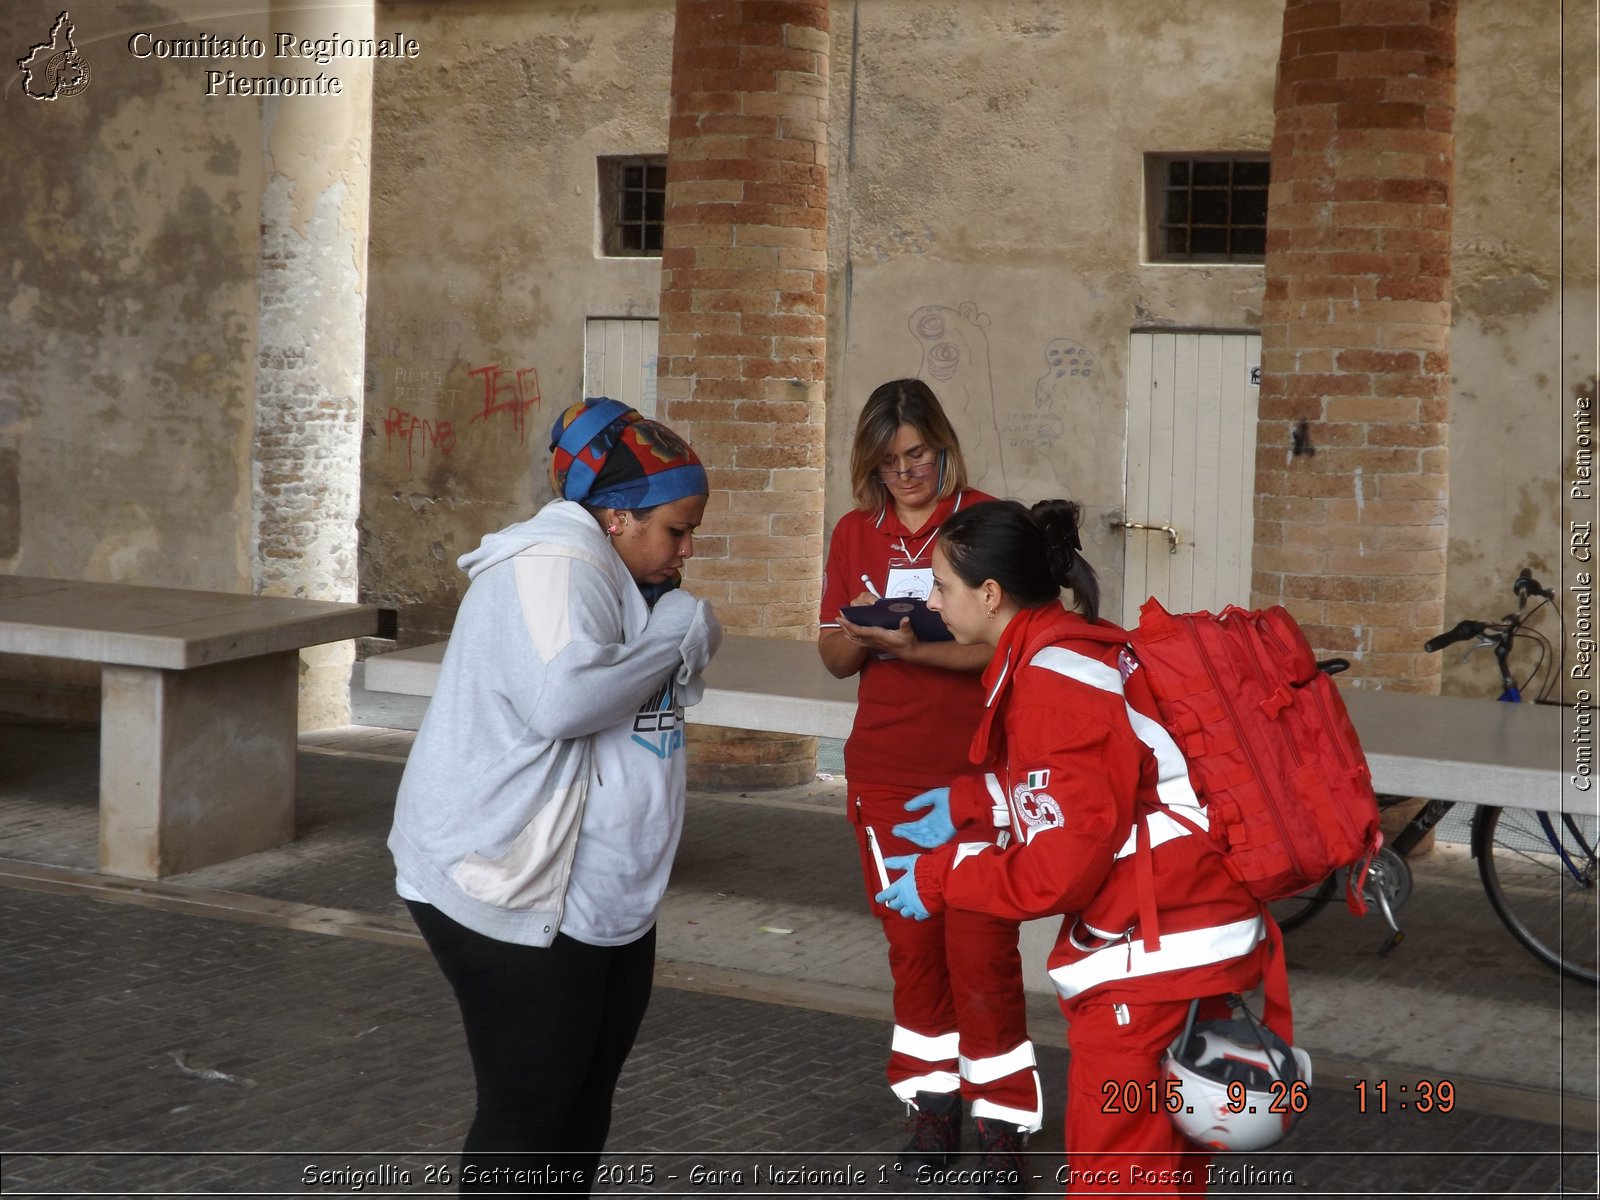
(877, 856)
(875, 596)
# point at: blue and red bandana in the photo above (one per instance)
(605, 454)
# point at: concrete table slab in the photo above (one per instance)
(198, 708)
(1446, 747)
(1467, 750)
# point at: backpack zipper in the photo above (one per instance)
(1266, 685)
(1346, 759)
(1244, 744)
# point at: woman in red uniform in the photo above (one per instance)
(1074, 766)
(960, 1023)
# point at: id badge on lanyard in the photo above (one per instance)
(911, 570)
(907, 580)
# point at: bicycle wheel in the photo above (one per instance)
(1303, 905)
(1539, 872)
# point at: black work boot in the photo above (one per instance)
(935, 1130)
(1000, 1167)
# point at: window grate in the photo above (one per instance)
(1208, 209)
(633, 203)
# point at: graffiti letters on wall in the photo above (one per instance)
(503, 395)
(507, 393)
(427, 414)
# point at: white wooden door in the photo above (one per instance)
(1191, 468)
(619, 360)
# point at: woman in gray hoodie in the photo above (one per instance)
(541, 806)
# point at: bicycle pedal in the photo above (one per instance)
(1393, 940)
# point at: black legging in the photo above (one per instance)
(548, 1030)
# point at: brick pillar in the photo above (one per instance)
(742, 339)
(1351, 469)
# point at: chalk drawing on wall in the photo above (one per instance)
(1060, 396)
(955, 364)
(1069, 366)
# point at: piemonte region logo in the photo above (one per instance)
(54, 69)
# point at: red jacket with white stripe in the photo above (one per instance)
(1076, 771)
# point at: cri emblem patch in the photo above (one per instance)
(1037, 808)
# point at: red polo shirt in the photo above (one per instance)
(913, 724)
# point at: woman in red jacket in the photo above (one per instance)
(1077, 771)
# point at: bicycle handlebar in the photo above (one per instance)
(1462, 631)
(1527, 585)
(1504, 633)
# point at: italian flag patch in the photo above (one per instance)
(1038, 780)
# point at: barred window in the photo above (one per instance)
(633, 202)
(1207, 208)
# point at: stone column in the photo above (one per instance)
(311, 342)
(1351, 470)
(742, 338)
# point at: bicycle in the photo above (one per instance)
(1537, 868)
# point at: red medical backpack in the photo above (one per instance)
(1271, 749)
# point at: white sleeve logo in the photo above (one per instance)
(1038, 809)
(967, 850)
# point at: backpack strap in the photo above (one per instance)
(1192, 826)
(1145, 882)
(1278, 1012)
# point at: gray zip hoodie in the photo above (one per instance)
(544, 791)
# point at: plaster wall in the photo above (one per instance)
(1523, 335)
(128, 315)
(986, 208)
(127, 352)
(485, 264)
(987, 183)
(986, 174)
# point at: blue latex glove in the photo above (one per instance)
(934, 829)
(901, 895)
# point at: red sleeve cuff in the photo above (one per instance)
(931, 868)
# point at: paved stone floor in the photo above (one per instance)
(273, 1027)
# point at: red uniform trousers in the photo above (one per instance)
(959, 1013)
(1119, 1138)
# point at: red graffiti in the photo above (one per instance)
(440, 435)
(513, 392)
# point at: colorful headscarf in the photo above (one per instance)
(607, 455)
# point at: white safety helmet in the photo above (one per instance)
(1263, 1105)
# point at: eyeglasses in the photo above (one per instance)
(918, 471)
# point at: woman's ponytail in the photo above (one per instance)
(1031, 553)
(1058, 522)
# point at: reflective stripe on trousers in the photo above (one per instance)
(1019, 1060)
(1129, 960)
(935, 1051)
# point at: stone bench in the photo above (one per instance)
(1445, 747)
(198, 708)
(1471, 751)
